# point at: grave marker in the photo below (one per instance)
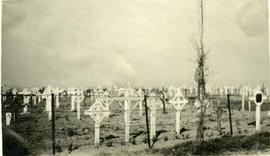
(8, 118)
(34, 99)
(243, 99)
(140, 94)
(26, 99)
(72, 102)
(249, 106)
(128, 98)
(178, 102)
(48, 107)
(258, 99)
(97, 112)
(78, 100)
(152, 103)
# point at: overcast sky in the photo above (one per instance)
(145, 42)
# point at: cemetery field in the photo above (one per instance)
(77, 136)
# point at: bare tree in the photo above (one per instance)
(200, 75)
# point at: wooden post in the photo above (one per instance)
(163, 103)
(57, 100)
(31, 100)
(258, 117)
(3, 110)
(34, 100)
(249, 107)
(23, 99)
(4, 98)
(97, 134)
(72, 103)
(127, 119)
(78, 110)
(230, 117)
(49, 106)
(16, 108)
(53, 124)
(219, 113)
(25, 109)
(38, 98)
(178, 122)
(146, 118)
(243, 102)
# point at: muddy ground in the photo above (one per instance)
(77, 136)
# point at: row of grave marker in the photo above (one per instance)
(100, 109)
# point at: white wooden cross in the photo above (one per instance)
(73, 96)
(48, 97)
(97, 112)
(129, 96)
(34, 99)
(14, 92)
(4, 97)
(152, 104)
(258, 99)
(78, 100)
(38, 97)
(140, 93)
(48, 107)
(98, 93)
(243, 93)
(178, 102)
(56, 92)
(249, 105)
(26, 99)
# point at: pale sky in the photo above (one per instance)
(146, 42)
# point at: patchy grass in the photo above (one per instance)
(258, 141)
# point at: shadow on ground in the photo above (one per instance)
(256, 142)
